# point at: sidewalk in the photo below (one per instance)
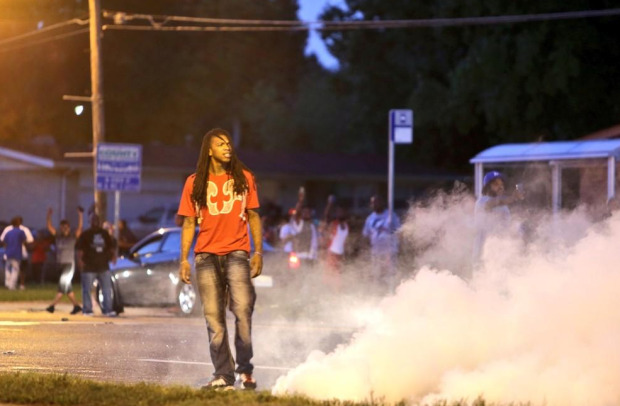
(35, 311)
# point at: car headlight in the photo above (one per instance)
(174, 278)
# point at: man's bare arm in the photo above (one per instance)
(80, 226)
(503, 200)
(187, 236)
(256, 229)
(50, 226)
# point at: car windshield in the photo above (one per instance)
(172, 243)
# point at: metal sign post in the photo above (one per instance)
(400, 132)
(118, 168)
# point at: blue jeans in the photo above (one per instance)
(106, 288)
(222, 280)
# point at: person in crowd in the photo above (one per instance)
(38, 255)
(286, 232)
(380, 229)
(13, 239)
(300, 237)
(335, 234)
(222, 199)
(270, 221)
(94, 252)
(24, 264)
(65, 240)
(109, 227)
(491, 212)
(126, 238)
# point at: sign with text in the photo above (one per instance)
(119, 167)
(401, 126)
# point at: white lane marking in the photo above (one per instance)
(167, 361)
(18, 323)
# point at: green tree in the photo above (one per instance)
(472, 87)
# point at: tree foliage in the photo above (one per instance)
(469, 86)
(472, 87)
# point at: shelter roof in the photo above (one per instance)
(549, 151)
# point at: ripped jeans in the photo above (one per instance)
(225, 280)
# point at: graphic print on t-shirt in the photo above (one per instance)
(227, 198)
(98, 244)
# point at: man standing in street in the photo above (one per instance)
(380, 229)
(13, 239)
(94, 251)
(23, 263)
(65, 240)
(221, 199)
(491, 212)
(300, 236)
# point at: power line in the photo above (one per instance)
(44, 30)
(42, 41)
(467, 21)
(158, 22)
(200, 29)
(121, 17)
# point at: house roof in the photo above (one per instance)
(26, 158)
(606, 133)
(549, 151)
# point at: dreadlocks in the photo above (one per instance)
(235, 168)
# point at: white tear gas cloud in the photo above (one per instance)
(539, 323)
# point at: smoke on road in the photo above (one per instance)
(539, 323)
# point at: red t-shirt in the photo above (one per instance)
(224, 226)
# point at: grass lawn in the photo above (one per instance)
(53, 389)
(36, 292)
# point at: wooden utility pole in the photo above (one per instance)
(96, 84)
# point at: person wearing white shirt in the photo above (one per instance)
(380, 229)
(29, 240)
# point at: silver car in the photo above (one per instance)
(148, 276)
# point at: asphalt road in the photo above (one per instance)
(150, 344)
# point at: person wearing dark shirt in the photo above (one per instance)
(94, 251)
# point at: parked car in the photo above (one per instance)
(148, 276)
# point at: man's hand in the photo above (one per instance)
(256, 265)
(518, 194)
(185, 271)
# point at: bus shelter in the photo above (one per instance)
(558, 155)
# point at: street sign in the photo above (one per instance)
(119, 167)
(401, 126)
(401, 132)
